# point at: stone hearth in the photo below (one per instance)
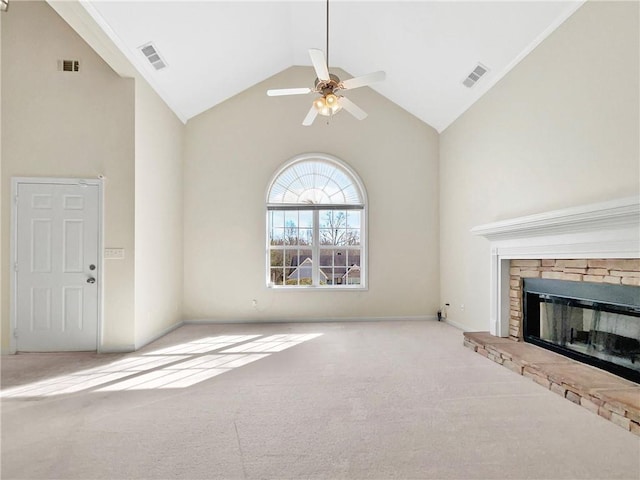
(600, 392)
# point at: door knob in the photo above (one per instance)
(91, 280)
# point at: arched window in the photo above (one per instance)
(316, 225)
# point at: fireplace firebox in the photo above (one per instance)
(595, 323)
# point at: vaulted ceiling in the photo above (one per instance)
(216, 49)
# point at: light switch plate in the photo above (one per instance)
(113, 253)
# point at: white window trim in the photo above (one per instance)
(364, 264)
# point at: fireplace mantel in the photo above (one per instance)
(602, 230)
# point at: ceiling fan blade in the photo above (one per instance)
(319, 64)
(352, 108)
(363, 81)
(311, 116)
(288, 91)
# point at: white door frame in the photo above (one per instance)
(15, 182)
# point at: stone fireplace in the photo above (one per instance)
(551, 266)
(612, 271)
(597, 243)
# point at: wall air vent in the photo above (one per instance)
(69, 65)
(475, 75)
(151, 53)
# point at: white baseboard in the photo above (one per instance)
(455, 324)
(108, 349)
(117, 349)
(202, 321)
(122, 348)
(158, 335)
(221, 321)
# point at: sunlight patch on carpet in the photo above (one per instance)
(177, 366)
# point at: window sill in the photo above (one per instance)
(324, 288)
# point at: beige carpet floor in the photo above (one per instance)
(323, 400)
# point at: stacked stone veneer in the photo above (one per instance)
(613, 271)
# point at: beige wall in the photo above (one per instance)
(560, 130)
(2, 261)
(159, 139)
(158, 216)
(69, 125)
(233, 150)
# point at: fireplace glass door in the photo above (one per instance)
(603, 334)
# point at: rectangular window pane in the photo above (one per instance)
(291, 218)
(340, 258)
(277, 218)
(290, 258)
(290, 236)
(353, 276)
(340, 237)
(325, 218)
(276, 258)
(353, 258)
(336, 236)
(353, 237)
(326, 236)
(305, 254)
(327, 275)
(291, 227)
(301, 272)
(326, 258)
(353, 218)
(277, 236)
(306, 219)
(333, 218)
(305, 236)
(326, 267)
(277, 276)
(333, 224)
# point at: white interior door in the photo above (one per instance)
(57, 281)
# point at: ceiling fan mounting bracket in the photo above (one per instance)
(326, 87)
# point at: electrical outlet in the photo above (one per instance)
(113, 253)
(462, 307)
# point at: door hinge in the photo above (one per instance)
(15, 266)
(15, 199)
(15, 333)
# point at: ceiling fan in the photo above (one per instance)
(329, 87)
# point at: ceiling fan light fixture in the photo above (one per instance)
(327, 105)
(320, 103)
(331, 100)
